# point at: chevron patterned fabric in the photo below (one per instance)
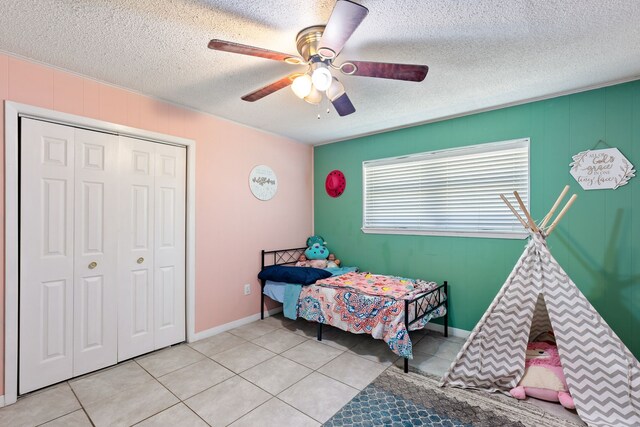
(602, 374)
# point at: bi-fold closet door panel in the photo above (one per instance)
(136, 243)
(152, 247)
(95, 251)
(169, 244)
(67, 308)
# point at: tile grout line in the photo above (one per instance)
(164, 349)
(267, 391)
(209, 388)
(47, 389)
(209, 357)
(81, 404)
(293, 333)
(245, 414)
(296, 409)
(173, 394)
(280, 400)
(153, 415)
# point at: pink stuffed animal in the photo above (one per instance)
(543, 377)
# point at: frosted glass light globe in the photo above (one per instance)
(314, 97)
(321, 78)
(301, 86)
(335, 91)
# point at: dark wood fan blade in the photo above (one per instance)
(344, 20)
(343, 105)
(270, 88)
(243, 49)
(384, 70)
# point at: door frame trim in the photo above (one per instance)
(13, 111)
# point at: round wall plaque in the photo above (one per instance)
(335, 183)
(263, 182)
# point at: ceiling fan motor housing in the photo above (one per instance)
(307, 42)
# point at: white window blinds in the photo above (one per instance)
(451, 192)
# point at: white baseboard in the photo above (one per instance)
(2, 401)
(223, 328)
(461, 333)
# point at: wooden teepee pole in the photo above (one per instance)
(506, 202)
(561, 214)
(532, 223)
(554, 207)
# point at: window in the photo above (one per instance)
(451, 192)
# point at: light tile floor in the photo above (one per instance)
(268, 373)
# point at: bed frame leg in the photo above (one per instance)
(446, 326)
(319, 331)
(406, 365)
(446, 306)
(262, 305)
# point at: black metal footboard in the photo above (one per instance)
(424, 304)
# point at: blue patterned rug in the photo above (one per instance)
(406, 400)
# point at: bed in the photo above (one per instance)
(386, 307)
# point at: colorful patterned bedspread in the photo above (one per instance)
(380, 285)
(355, 311)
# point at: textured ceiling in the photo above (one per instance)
(481, 54)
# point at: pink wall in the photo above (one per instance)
(231, 225)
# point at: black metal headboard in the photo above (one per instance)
(281, 256)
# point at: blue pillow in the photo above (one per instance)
(298, 275)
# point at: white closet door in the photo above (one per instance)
(46, 254)
(136, 248)
(95, 279)
(169, 263)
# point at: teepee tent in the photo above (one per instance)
(602, 374)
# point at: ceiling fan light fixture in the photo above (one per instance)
(321, 78)
(335, 90)
(302, 86)
(314, 97)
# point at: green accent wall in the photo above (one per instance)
(597, 242)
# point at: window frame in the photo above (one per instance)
(450, 152)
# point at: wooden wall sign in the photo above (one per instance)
(601, 169)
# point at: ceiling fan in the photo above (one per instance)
(319, 47)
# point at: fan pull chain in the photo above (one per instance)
(327, 103)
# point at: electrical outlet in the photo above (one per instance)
(247, 289)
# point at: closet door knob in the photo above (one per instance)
(140, 260)
(93, 265)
